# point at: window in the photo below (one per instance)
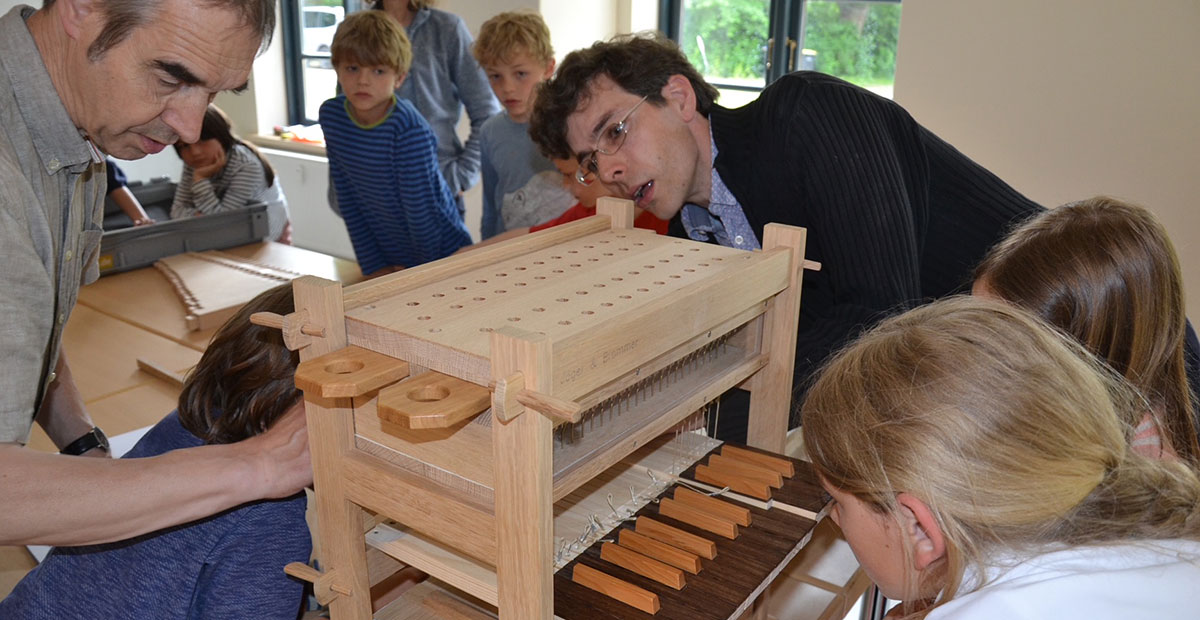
(308, 27)
(740, 46)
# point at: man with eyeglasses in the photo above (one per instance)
(895, 215)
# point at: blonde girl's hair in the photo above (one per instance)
(1013, 435)
(1104, 271)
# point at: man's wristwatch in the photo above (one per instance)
(92, 439)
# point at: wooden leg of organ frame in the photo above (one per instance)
(331, 436)
(524, 472)
(771, 387)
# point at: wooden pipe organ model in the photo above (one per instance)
(529, 418)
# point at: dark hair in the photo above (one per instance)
(217, 126)
(1105, 272)
(639, 63)
(121, 17)
(246, 378)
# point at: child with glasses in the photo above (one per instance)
(521, 187)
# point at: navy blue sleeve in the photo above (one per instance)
(243, 575)
(113, 175)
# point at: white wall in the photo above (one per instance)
(1067, 99)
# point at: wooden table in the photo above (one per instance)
(136, 314)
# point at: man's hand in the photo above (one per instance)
(281, 455)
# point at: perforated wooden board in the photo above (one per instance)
(600, 299)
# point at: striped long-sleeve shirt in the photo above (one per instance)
(396, 205)
(240, 183)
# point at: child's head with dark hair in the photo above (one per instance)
(246, 378)
(216, 130)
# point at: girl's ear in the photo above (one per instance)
(923, 531)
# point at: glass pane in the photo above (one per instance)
(319, 20)
(320, 83)
(855, 41)
(727, 40)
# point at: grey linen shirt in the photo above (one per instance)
(51, 206)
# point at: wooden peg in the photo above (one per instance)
(510, 398)
(297, 330)
(738, 484)
(660, 551)
(325, 585)
(812, 265)
(349, 372)
(432, 400)
(623, 591)
(504, 397)
(717, 507)
(676, 537)
(752, 470)
(647, 567)
(557, 409)
(698, 518)
(779, 464)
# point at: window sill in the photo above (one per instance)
(279, 144)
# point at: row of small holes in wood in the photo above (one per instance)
(469, 293)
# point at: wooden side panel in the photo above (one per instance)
(524, 474)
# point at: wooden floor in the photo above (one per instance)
(121, 318)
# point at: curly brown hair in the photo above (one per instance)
(639, 63)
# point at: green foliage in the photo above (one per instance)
(852, 40)
(863, 54)
(734, 34)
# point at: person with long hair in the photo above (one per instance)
(1104, 271)
(222, 172)
(980, 465)
(228, 565)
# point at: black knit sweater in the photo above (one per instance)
(895, 215)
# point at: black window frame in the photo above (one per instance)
(786, 24)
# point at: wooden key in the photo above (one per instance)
(698, 518)
(660, 551)
(676, 537)
(645, 566)
(623, 591)
(776, 463)
(746, 469)
(722, 478)
(717, 507)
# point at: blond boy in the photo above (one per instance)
(520, 186)
(383, 155)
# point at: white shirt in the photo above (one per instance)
(1151, 579)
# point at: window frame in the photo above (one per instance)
(786, 23)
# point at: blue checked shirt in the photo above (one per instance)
(723, 220)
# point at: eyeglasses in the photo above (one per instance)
(608, 143)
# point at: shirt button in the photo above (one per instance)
(52, 377)
(62, 318)
(68, 255)
(55, 165)
(739, 240)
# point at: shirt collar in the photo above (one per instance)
(58, 142)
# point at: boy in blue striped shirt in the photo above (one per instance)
(383, 155)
